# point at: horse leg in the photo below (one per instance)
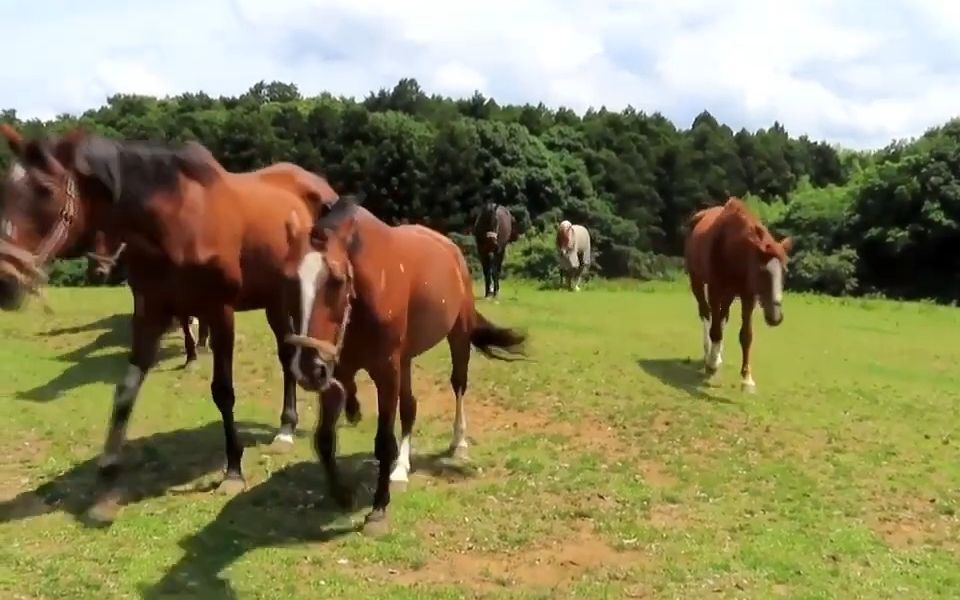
(288, 415)
(485, 264)
(203, 332)
(149, 324)
(408, 415)
(387, 379)
(497, 266)
(719, 311)
(351, 406)
(325, 438)
(746, 339)
(459, 341)
(189, 342)
(703, 308)
(221, 388)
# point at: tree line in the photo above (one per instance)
(882, 222)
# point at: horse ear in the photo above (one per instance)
(13, 137)
(99, 158)
(758, 230)
(787, 244)
(336, 268)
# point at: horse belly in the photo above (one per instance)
(434, 307)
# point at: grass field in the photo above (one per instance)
(607, 468)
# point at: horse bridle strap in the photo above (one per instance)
(109, 260)
(32, 262)
(330, 352)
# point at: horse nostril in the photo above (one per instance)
(320, 371)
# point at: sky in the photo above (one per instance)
(858, 73)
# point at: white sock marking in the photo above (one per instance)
(126, 395)
(402, 467)
(459, 426)
(285, 438)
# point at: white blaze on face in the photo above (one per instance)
(7, 229)
(312, 273)
(17, 172)
(775, 269)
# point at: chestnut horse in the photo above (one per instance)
(573, 249)
(105, 263)
(493, 229)
(373, 298)
(729, 253)
(200, 241)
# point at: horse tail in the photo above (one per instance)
(486, 336)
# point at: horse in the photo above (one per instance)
(493, 229)
(105, 264)
(374, 297)
(729, 253)
(573, 250)
(200, 241)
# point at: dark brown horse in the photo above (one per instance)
(200, 241)
(374, 297)
(493, 229)
(730, 254)
(106, 263)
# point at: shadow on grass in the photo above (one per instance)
(682, 374)
(290, 507)
(153, 465)
(88, 367)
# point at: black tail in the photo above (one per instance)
(486, 335)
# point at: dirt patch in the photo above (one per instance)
(916, 522)
(485, 416)
(668, 516)
(20, 454)
(549, 565)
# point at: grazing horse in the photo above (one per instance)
(105, 264)
(493, 229)
(573, 249)
(729, 253)
(200, 241)
(373, 298)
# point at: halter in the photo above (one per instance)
(108, 260)
(330, 352)
(32, 275)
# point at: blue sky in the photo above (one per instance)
(854, 72)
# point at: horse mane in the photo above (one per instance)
(333, 214)
(133, 171)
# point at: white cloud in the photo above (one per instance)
(849, 71)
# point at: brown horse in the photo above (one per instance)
(200, 241)
(493, 229)
(374, 297)
(106, 263)
(729, 254)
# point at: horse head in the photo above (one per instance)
(565, 236)
(325, 277)
(767, 266)
(44, 213)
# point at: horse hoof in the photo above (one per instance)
(190, 365)
(375, 525)
(460, 453)
(353, 418)
(231, 486)
(281, 444)
(105, 510)
(748, 387)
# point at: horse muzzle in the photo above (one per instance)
(773, 313)
(11, 292)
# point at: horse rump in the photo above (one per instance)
(486, 336)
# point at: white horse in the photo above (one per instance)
(573, 248)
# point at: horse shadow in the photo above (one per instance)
(154, 466)
(292, 506)
(682, 374)
(87, 367)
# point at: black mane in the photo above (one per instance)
(135, 171)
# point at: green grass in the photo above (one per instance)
(605, 468)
